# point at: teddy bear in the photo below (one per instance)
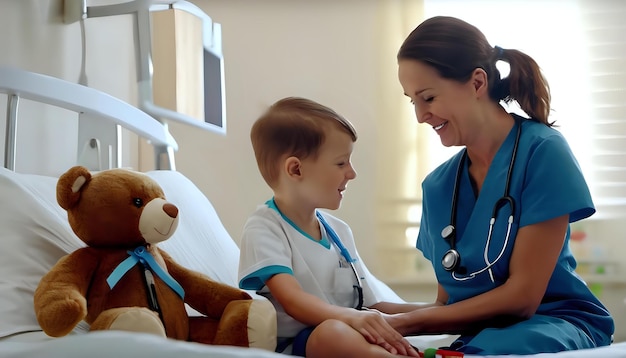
(122, 280)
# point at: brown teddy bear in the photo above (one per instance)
(122, 280)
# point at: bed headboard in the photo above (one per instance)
(100, 118)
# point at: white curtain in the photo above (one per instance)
(398, 146)
(604, 44)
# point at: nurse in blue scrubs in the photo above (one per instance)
(496, 216)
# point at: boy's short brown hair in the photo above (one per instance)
(293, 126)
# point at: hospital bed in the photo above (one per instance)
(34, 233)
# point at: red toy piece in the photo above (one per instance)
(440, 353)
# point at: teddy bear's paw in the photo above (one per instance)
(256, 316)
(262, 330)
(139, 320)
(58, 318)
(132, 319)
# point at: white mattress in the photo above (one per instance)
(122, 345)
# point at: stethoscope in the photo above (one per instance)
(346, 255)
(451, 260)
(342, 249)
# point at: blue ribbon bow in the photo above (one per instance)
(140, 254)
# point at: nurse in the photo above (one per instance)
(496, 216)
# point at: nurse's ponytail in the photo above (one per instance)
(524, 84)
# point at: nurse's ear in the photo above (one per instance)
(479, 82)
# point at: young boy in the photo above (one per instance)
(304, 260)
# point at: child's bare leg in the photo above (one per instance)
(334, 338)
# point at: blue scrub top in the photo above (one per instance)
(546, 183)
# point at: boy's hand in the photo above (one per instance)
(375, 329)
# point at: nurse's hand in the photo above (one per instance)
(375, 329)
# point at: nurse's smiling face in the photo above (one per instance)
(446, 105)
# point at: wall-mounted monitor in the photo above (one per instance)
(188, 67)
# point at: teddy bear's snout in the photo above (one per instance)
(170, 209)
(158, 220)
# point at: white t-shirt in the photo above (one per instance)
(272, 244)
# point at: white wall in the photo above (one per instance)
(335, 52)
(36, 39)
(274, 49)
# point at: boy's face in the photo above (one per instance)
(326, 177)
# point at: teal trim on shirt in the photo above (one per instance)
(256, 280)
(324, 241)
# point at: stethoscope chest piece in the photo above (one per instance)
(451, 260)
(447, 232)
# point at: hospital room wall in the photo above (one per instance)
(340, 53)
(35, 38)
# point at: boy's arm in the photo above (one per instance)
(312, 311)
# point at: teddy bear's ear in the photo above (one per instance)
(70, 185)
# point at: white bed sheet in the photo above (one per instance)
(126, 345)
(116, 344)
(201, 243)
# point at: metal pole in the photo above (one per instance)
(10, 144)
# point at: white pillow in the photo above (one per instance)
(200, 242)
(35, 234)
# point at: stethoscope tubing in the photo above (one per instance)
(346, 255)
(342, 249)
(451, 259)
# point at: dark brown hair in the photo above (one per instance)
(293, 126)
(455, 49)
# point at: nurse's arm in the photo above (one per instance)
(392, 307)
(536, 251)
